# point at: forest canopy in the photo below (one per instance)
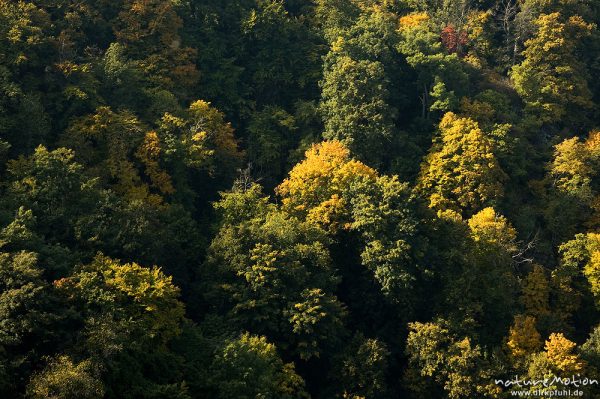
(353, 199)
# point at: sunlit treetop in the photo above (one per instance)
(318, 187)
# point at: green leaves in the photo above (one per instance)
(273, 273)
(63, 379)
(249, 367)
(357, 91)
(551, 79)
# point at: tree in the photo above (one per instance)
(63, 379)
(455, 364)
(461, 172)
(535, 296)
(200, 139)
(551, 79)
(24, 42)
(129, 315)
(560, 355)
(480, 289)
(384, 214)
(318, 187)
(273, 43)
(30, 317)
(272, 273)
(572, 179)
(106, 142)
(571, 294)
(360, 370)
(358, 98)
(249, 367)
(590, 350)
(371, 213)
(149, 30)
(272, 136)
(437, 72)
(130, 291)
(54, 187)
(523, 337)
(355, 108)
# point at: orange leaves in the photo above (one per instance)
(413, 20)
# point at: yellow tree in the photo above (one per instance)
(461, 172)
(523, 337)
(561, 355)
(573, 180)
(592, 272)
(317, 188)
(332, 190)
(559, 359)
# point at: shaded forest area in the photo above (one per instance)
(286, 199)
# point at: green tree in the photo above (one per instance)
(361, 369)
(272, 273)
(129, 315)
(454, 364)
(359, 98)
(551, 79)
(249, 367)
(437, 72)
(24, 42)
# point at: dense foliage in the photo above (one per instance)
(271, 199)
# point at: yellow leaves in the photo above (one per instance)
(570, 157)
(592, 272)
(171, 120)
(338, 45)
(461, 172)
(491, 227)
(523, 337)
(63, 378)
(592, 144)
(328, 212)
(149, 153)
(209, 135)
(560, 353)
(22, 25)
(315, 187)
(264, 258)
(150, 288)
(476, 22)
(140, 283)
(69, 68)
(201, 107)
(413, 20)
(574, 165)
